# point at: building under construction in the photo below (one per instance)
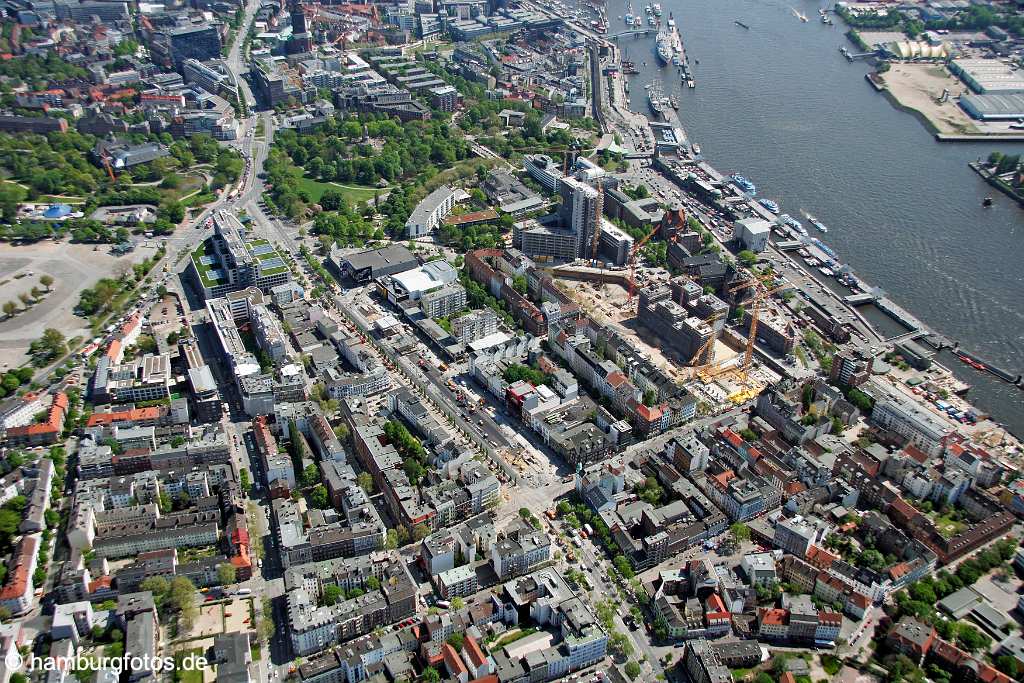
(678, 328)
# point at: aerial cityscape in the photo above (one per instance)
(506, 341)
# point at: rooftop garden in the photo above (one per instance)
(205, 271)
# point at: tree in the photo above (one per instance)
(181, 593)
(1008, 665)
(623, 566)
(739, 532)
(245, 481)
(970, 638)
(747, 257)
(456, 640)
(632, 670)
(391, 540)
(330, 595)
(458, 603)
(10, 308)
(157, 585)
(763, 678)
(365, 481)
(26, 300)
(48, 347)
(619, 645)
(319, 498)
(310, 475)
(226, 573)
(650, 397)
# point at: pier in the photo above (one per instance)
(859, 299)
(633, 32)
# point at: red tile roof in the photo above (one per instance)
(133, 415)
(473, 651)
(915, 453)
(453, 661)
(820, 558)
(114, 350)
(648, 413)
(860, 600)
(898, 570)
(776, 617)
(19, 577)
(616, 379)
(53, 423)
(732, 437)
(715, 604)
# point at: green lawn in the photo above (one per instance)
(203, 270)
(949, 527)
(353, 194)
(187, 676)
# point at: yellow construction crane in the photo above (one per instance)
(755, 313)
(702, 358)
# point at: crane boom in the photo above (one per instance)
(632, 261)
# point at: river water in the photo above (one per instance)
(779, 104)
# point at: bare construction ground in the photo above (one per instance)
(919, 86)
(609, 303)
(73, 267)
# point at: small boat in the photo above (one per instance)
(816, 223)
(741, 24)
(987, 202)
(695, 148)
(769, 204)
(674, 102)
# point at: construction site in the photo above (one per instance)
(676, 323)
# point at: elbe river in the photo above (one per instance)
(780, 105)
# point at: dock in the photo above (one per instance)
(861, 299)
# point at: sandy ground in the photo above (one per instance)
(239, 620)
(918, 86)
(210, 621)
(73, 267)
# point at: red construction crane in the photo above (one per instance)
(632, 260)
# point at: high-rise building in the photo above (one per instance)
(298, 18)
(301, 41)
(581, 210)
(174, 46)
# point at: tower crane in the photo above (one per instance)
(755, 313)
(636, 250)
(632, 261)
(595, 239)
